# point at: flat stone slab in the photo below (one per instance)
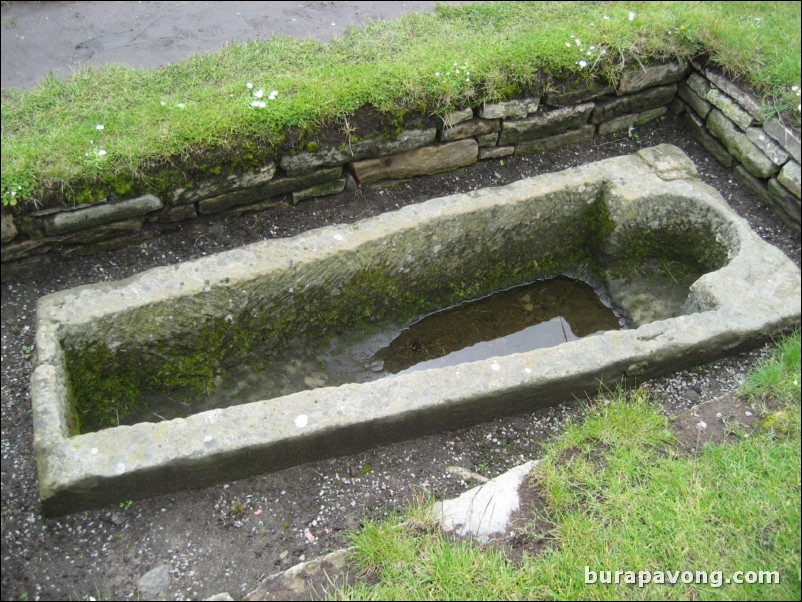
(753, 295)
(485, 510)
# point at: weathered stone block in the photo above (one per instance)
(8, 231)
(273, 188)
(79, 219)
(766, 143)
(696, 126)
(221, 185)
(789, 177)
(543, 144)
(607, 109)
(496, 153)
(510, 108)
(676, 106)
(545, 124)
(699, 105)
(583, 91)
(105, 232)
(454, 117)
(786, 204)
(667, 163)
(305, 161)
(785, 137)
(756, 186)
(17, 250)
(180, 214)
(730, 108)
(423, 161)
(634, 80)
(488, 139)
(698, 84)
(744, 99)
(467, 129)
(324, 189)
(623, 122)
(739, 146)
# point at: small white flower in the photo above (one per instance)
(795, 88)
(101, 153)
(568, 44)
(13, 193)
(162, 103)
(606, 17)
(180, 105)
(99, 126)
(259, 104)
(578, 42)
(273, 95)
(593, 48)
(631, 16)
(437, 74)
(583, 64)
(259, 93)
(249, 85)
(589, 53)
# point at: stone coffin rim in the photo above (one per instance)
(99, 468)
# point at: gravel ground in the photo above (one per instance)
(226, 537)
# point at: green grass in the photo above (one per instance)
(620, 499)
(164, 127)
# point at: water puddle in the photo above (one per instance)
(532, 316)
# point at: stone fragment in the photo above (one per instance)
(667, 163)
(696, 126)
(350, 183)
(584, 90)
(510, 108)
(730, 108)
(785, 137)
(496, 152)
(536, 146)
(275, 187)
(789, 177)
(221, 185)
(424, 161)
(786, 205)
(324, 189)
(454, 117)
(698, 104)
(306, 161)
(545, 124)
(744, 99)
(607, 109)
(634, 80)
(766, 143)
(153, 585)
(488, 139)
(739, 146)
(467, 129)
(8, 231)
(676, 106)
(95, 215)
(623, 122)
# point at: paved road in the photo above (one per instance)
(38, 37)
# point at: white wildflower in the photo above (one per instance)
(101, 153)
(180, 105)
(99, 126)
(437, 74)
(631, 16)
(583, 64)
(606, 17)
(578, 42)
(259, 93)
(273, 95)
(568, 44)
(162, 103)
(259, 104)
(249, 85)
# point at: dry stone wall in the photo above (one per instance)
(764, 155)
